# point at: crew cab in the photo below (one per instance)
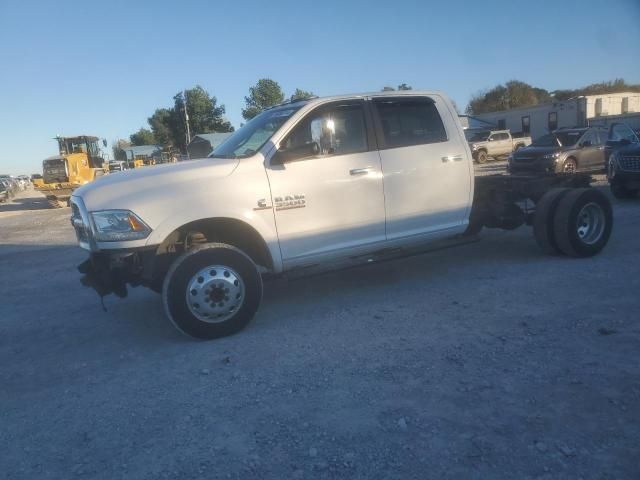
(495, 144)
(565, 150)
(308, 185)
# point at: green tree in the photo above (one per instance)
(169, 127)
(266, 93)
(301, 94)
(615, 86)
(404, 86)
(144, 136)
(512, 94)
(160, 123)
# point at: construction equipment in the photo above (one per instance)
(79, 161)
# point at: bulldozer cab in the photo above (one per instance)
(83, 144)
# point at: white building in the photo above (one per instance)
(575, 112)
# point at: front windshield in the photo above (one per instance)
(477, 136)
(568, 139)
(252, 136)
(548, 140)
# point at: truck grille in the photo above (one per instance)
(630, 164)
(524, 159)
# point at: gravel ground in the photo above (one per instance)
(489, 360)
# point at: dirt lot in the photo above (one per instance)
(490, 360)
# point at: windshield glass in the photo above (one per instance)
(567, 139)
(251, 137)
(548, 140)
(477, 136)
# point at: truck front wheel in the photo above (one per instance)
(482, 157)
(212, 291)
(583, 222)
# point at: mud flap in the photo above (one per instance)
(103, 280)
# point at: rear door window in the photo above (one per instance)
(409, 121)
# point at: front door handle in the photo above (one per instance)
(452, 158)
(360, 171)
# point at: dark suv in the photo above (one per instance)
(566, 150)
(623, 169)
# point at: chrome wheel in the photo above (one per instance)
(215, 294)
(591, 223)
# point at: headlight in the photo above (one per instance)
(552, 156)
(118, 225)
(474, 147)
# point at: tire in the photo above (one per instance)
(482, 157)
(583, 222)
(570, 166)
(210, 272)
(621, 192)
(543, 220)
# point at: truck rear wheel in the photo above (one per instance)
(583, 222)
(212, 291)
(543, 220)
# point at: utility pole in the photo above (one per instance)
(186, 118)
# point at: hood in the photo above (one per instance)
(532, 151)
(157, 185)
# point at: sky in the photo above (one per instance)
(102, 67)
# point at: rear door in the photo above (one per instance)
(591, 154)
(427, 172)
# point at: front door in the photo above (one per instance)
(331, 200)
(427, 172)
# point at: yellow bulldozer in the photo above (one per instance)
(79, 161)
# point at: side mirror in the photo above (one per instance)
(284, 155)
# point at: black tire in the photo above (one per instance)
(621, 192)
(543, 220)
(187, 266)
(567, 223)
(570, 165)
(482, 157)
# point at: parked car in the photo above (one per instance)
(4, 193)
(9, 186)
(623, 168)
(567, 150)
(495, 144)
(310, 185)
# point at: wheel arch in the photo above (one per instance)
(227, 230)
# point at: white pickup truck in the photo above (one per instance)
(310, 184)
(495, 144)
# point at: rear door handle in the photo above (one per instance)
(360, 171)
(452, 158)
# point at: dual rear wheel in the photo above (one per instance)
(574, 222)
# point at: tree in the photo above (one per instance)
(266, 93)
(512, 94)
(168, 125)
(387, 89)
(119, 148)
(616, 86)
(404, 86)
(301, 94)
(160, 123)
(144, 136)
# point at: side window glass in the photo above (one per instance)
(410, 122)
(622, 132)
(338, 130)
